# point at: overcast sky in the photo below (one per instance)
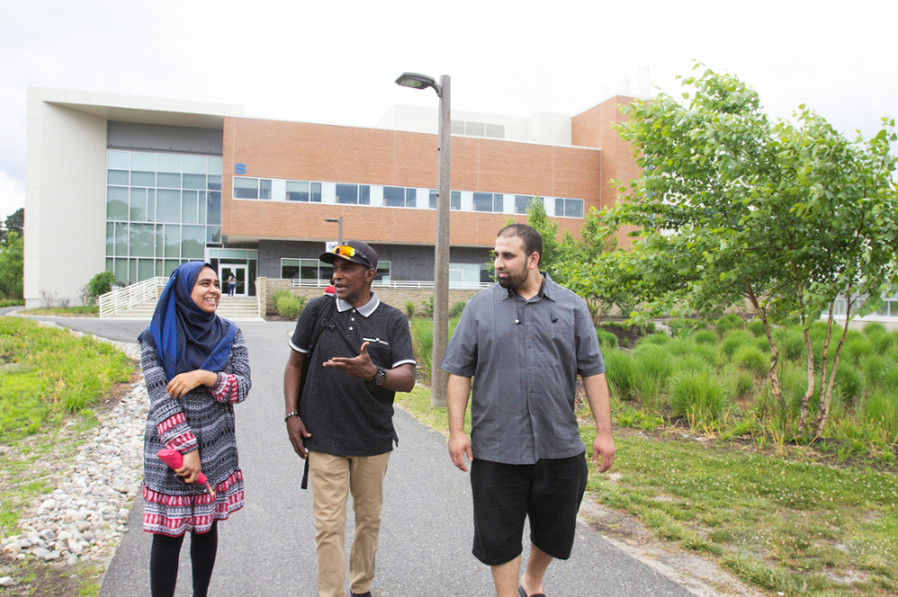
(335, 61)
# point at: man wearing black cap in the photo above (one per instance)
(343, 422)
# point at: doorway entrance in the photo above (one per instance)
(239, 272)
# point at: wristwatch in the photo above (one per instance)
(380, 377)
(295, 413)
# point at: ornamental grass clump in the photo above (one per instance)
(734, 341)
(620, 372)
(751, 359)
(705, 337)
(697, 395)
(653, 368)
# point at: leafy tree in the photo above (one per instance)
(13, 223)
(12, 266)
(733, 208)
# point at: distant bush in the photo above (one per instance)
(620, 372)
(697, 394)
(734, 341)
(856, 349)
(849, 382)
(874, 329)
(427, 306)
(288, 305)
(607, 340)
(99, 285)
(410, 308)
(751, 359)
(728, 322)
(658, 339)
(756, 327)
(653, 368)
(456, 309)
(705, 337)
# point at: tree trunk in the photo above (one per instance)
(774, 351)
(823, 411)
(806, 399)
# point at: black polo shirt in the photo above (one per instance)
(345, 416)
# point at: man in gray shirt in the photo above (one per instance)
(524, 341)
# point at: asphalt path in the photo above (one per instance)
(268, 548)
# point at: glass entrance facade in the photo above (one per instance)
(162, 209)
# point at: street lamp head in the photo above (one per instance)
(331, 220)
(418, 81)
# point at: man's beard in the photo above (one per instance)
(513, 281)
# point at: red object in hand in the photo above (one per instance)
(175, 460)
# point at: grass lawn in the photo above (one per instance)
(788, 524)
(50, 382)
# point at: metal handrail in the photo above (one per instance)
(126, 297)
(397, 284)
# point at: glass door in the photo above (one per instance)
(239, 272)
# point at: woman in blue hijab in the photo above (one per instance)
(196, 368)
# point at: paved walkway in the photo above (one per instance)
(267, 549)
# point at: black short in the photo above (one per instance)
(548, 492)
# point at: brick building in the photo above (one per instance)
(137, 185)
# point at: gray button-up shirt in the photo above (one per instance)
(525, 357)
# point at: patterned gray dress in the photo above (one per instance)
(202, 419)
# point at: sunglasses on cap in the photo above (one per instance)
(348, 252)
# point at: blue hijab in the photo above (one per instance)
(186, 337)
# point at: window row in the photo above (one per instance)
(313, 269)
(159, 240)
(266, 189)
(478, 129)
(164, 180)
(163, 205)
(131, 271)
(177, 163)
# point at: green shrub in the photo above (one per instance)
(659, 339)
(874, 329)
(607, 340)
(791, 344)
(883, 343)
(287, 304)
(99, 285)
(697, 394)
(705, 337)
(653, 368)
(751, 359)
(427, 306)
(691, 362)
(729, 322)
(794, 383)
(422, 344)
(743, 384)
(456, 309)
(762, 344)
(856, 349)
(880, 409)
(620, 372)
(880, 372)
(734, 341)
(849, 382)
(756, 327)
(410, 308)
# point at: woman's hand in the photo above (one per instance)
(184, 382)
(190, 469)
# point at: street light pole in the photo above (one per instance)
(439, 381)
(339, 222)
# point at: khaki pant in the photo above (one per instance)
(331, 477)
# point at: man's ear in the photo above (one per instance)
(369, 275)
(533, 261)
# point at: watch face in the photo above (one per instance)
(381, 376)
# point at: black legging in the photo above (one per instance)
(164, 557)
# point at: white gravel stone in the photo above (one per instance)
(7, 581)
(83, 517)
